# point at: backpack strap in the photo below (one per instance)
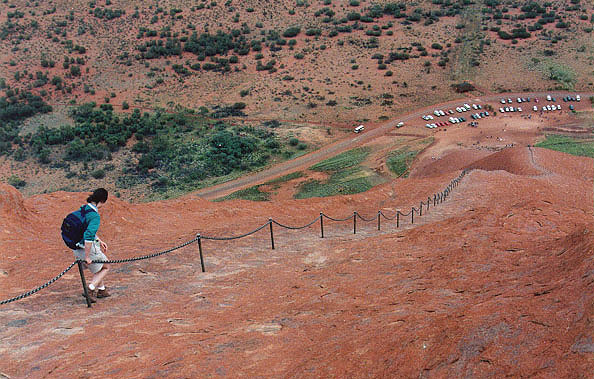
(83, 213)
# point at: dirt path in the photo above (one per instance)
(349, 143)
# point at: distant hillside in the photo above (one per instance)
(142, 92)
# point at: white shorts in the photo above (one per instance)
(95, 254)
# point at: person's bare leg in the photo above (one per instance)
(98, 277)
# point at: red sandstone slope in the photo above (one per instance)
(495, 281)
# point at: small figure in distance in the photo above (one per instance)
(91, 248)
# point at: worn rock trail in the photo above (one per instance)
(495, 281)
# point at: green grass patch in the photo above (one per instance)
(286, 178)
(573, 146)
(343, 182)
(251, 193)
(341, 161)
(399, 161)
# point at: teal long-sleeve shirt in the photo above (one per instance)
(93, 221)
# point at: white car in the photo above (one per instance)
(544, 108)
(400, 124)
(535, 108)
(559, 107)
(450, 111)
(519, 109)
(519, 100)
(548, 97)
(578, 97)
(433, 126)
(549, 108)
(501, 110)
(509, 101)
(502, 101)
(474, 107)
(442, 113)
(428, 126)
(436, 112)
(553, 107)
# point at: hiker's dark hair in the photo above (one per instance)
(98, 196)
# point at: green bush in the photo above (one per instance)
(293, 31)
(98, 174)
(16, 182)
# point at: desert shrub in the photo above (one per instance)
(16, 182)
(463, 87)
(293, 31)
(98, 174)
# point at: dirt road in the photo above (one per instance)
(356, 140)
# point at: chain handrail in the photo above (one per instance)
(236, 237)
(337, 219)
(365, 219)
(29, 293)
(439, 197)
(296, 227)
(148, 256)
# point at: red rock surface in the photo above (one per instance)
(496, 281)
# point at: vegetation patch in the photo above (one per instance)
(399, 161)
(251, 193)
(286, 178)
(342, 161)
(346, 176)
(573, 146)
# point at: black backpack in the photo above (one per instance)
(74, 226)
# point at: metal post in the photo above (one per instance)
(84, 283)
(434, 199)
(428, 201)
(322, 223)
(412, 215)
(379, 213)
(397, 219)
(421, 209)
(355, 222)
(200, 250)
(271, 235)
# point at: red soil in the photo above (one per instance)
(496, 281)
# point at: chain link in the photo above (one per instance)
(365, 219)
(439, 196)
(337, 219)
(235, 237)
(149, 255)
(29, 293)
(296, 227)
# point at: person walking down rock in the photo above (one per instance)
(91, 247)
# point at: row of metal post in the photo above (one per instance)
(199, 239)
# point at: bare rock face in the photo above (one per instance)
(496, 281)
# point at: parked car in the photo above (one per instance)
(535, 108)
(502, 101)
(400, 124)
(578, 98)
(571, 107)
(548, 97)
(501, 110)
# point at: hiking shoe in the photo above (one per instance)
(92, 295)
(102, 293)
